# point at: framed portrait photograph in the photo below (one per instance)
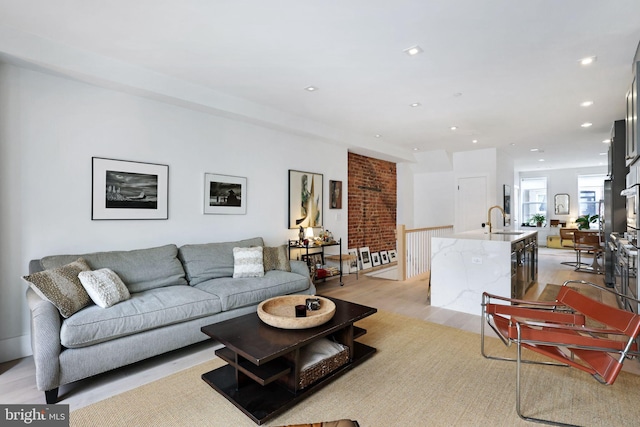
(375, 259)
(224, 194)
(354, 264)
(123, 189)
(506, 191)
(365, 258)
(305, 199)
(335, 194)
(384, 257)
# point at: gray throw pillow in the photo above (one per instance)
(61, 286)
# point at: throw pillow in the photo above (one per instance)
(247, 262)
(61, 286)
(104, 287)
(276, 258)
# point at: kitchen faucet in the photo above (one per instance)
(489, 215)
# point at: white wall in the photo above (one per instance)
(50, 127)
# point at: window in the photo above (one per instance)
(534, 197)
(590, 192)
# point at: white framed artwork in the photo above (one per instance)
(375, 259)
(365, 257)
(384, 257)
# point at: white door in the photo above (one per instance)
(472, 203)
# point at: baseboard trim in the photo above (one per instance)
(15, 348)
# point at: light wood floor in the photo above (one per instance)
(17, 378)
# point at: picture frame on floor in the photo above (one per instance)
(384, 257)
(354, 264)
(225, 194)
(124, 189)
(393, 255)
(375, 259)
(365, 257)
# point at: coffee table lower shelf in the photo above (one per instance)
(262, 402)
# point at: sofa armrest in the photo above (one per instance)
(45, 341)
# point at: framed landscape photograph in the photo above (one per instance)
(224, 194)
(305, 199)
(123, 189)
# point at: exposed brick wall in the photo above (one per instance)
(372, 199)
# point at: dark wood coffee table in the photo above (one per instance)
(258, 378)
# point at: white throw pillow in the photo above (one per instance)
(247, 262)
(104, 287)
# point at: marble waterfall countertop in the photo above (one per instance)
(465, 265)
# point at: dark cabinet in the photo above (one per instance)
(632, 113)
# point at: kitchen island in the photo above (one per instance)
(465, 265)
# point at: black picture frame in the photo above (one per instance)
(125, 189)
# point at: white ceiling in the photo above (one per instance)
(515, 63)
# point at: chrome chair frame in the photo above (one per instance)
(629, 350)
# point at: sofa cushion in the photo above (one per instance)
(104, 287)
(211, 260)
(276, 258)
(236, 293)
(247, 262)
(61, 286)
(146, 310)
(139, 269)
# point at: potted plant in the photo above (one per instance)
(538, 219)
(584, 222)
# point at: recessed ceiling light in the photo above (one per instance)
(603, 154)
(413, 50)
(475, 141)
(453, 127)
(378, 135)
(311, 88)
(588, 60)
(415, 104)
(541, 160)
(606, 141)
(586, 124)
(415, 149)
(586, 104)
(534, 149)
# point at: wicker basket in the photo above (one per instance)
(314, 372)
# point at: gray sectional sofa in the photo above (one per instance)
(173, 293)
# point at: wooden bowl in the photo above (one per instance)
(280, 312)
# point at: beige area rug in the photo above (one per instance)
(422, 375)
(550, 292)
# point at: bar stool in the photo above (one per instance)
(586, 241)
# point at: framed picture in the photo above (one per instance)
(354, 264)
(365, 257)
(506, 189)
(384, 257)
(123, 189)
(393, 255)
(375, 259)
(335, 194)
(224, 194)
(305, 199)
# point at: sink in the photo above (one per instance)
(509, 233)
